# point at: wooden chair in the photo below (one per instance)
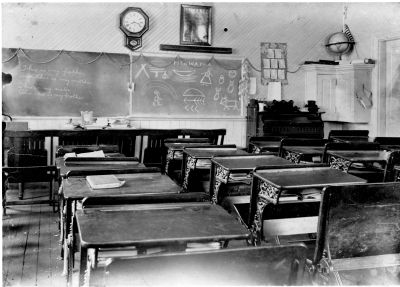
(347, 133)
(29, 174)
(358, 236)
(372, 174)
(286, 142)
(393, 160)
(251, 266)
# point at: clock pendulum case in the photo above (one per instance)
(134, 22)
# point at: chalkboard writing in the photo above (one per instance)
(188, 87)
(52, 83)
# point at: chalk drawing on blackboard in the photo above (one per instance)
(156, 71)
(192, 99)
(142, 69)
(165, 75)
(230, 87)
(229, 104)
(185, 76)
(232, 74)
(221, 80)
(206, 79)
(216, 95)
(157, 100)
(162, 86)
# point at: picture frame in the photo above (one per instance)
(195, 25)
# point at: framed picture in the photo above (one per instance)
(195, 25)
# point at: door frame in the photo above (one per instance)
(379, 84)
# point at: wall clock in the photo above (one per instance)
(134, 22)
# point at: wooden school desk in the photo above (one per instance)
(77, 188)
(251, 266)
(343, 159)
(158, 225)
(259, 146)
(173, 158)
(236, 169)
(285, 186)
(199, 159)
(297, 154)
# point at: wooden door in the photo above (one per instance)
(393, 88)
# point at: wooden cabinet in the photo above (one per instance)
(297, 125)
(343, 92)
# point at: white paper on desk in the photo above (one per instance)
(274, 91)
(98, 153)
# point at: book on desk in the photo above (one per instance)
(104, 181)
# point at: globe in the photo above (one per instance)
(338, 43)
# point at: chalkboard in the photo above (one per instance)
(180, 86)
(63, 83)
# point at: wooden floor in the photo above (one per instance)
(31, 248)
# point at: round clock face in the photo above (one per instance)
(134, 21)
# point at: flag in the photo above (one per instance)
(349, 36)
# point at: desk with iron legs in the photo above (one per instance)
(146, 226)
(288, 186)
(236, 169)
(77, 188)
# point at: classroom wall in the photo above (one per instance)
(304, 27)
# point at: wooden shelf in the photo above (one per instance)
(195, 49)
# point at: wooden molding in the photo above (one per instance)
(195, 49)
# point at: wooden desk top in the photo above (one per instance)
(265, 144)
(308, 150)
(208, 153)
(352, 139)
(313, 177)
(181, 146)
(116, 163)
(158, 224)
(138, 183)
(249, 162)
(361, 155)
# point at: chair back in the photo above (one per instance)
(30, 174)
(357, 222)
(348, 146)
(251, 266)
(299, 142)
(387, 140)
(123, 200)
(393, 160)
(347, 133)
